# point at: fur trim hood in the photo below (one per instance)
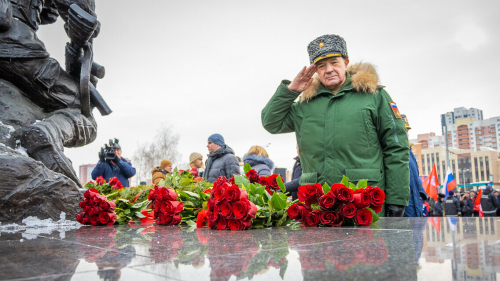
(253, 160)
(364, 78)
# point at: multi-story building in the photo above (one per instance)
(467, 166)
(86, 173)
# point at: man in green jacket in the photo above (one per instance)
(345, 124)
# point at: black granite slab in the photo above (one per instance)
(395, 249)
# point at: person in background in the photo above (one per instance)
(242, 165)
(118, 167)
(425, 208)
(498, 202)
(438, 207)
(417, 192)
(221, 161)
(473, 199)
(464, 204)
(258, 159)
(470, 205)
(196, 163)
(452, 205)
(293, 186)
(160, 173)
(489, 202)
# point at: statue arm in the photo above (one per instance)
(49, 12)
(5, 15)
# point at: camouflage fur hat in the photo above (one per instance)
(327, 46)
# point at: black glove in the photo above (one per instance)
(394, 210)
(101, 155)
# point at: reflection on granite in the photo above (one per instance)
(396, 249)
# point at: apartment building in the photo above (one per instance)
(85, 174)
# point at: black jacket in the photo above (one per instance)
(438, 209)
(293, 186)
(489, 202)
(452, 206)
(221, 163)
(469, 205)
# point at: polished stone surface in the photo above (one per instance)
(396, 249)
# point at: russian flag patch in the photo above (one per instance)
(395, 110)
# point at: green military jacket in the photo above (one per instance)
(355, 133)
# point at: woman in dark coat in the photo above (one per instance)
(258, 159)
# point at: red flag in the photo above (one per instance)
(436, 222)
(431, 183)
(477, 203)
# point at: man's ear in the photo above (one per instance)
(346, 62)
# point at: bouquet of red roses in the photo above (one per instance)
(165, 205)
(341, 204)
(97, 210)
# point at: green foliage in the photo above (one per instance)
(126, 210)
(326, 188)
(281, 184)
(375, 218)
(345, 181)
(242, 182)
(247, 168)
(362, 184)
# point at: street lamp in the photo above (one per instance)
(463, 175)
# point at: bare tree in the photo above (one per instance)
(149, 155)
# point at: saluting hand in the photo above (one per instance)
(303, 79)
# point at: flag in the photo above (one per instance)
(436, 222)
(453, 223)
(477, 203)
(449, 183)
(431, 183)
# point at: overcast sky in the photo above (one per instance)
(209, 67)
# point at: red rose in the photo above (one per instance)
(298, 211)
(82, 203)
(343, 193)
(108, 206)
(263, 181)
(272, 182)
(100, 180)
(210, 204)
(377, 209)
(212, 220)
(85, 219)
(226, 209)
(232, 181)
(348, 211)
(233, 193)
(104, 217)
(208, 190)
(220, 181)
(94, 211)
(90, 193)
(219, 193)
(269, 191)
(310, 194)
(377, 196)
(312, 218)
(243, 209)
(221, 223)
(117, 185)
(171, 207)
(361, 199)
(168, 219)
(194, 172)
(113, 181)
(79, 217)
(327, 218)
(94, 220)
(235, 224)
(338, 221)
(363, 217)
(328, 202)
(252, 176)
(166, 193)
(202, 218)
(152, 194)
(112, 218)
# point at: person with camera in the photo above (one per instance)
(111, 164)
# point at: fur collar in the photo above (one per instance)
(364, 78)
(253, 159)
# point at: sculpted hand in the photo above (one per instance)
(303, 79)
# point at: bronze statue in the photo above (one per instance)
(44, 108)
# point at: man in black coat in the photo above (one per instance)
(489, 202)
(452, 205)
(293, 186)
(221, 161)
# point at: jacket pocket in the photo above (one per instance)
(372, 175)
(370, 130)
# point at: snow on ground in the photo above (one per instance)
(34, 226)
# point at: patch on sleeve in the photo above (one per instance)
(395, 110)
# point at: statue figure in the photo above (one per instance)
(66, 97)
(44, 108)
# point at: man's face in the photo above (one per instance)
(198, 163)
(496, 193)
(169, 168)
(332, 71)
(472, 194)
(118, 152)
(213, 147)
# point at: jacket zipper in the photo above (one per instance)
(394, 128)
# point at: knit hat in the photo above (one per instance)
(488, 186)
(327, 46)
(165, 163)
(451, 193)
(217, 139)
(194, 156)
